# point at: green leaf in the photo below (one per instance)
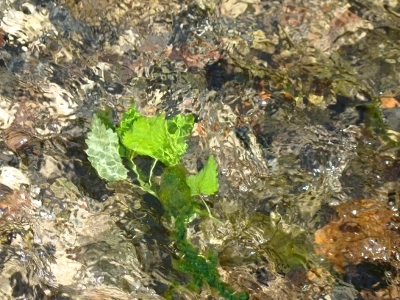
(206, 181)
(103, 153)
(128, 118)
(164, 140)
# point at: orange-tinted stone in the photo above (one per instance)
(363, 230)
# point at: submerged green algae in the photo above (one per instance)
(178, 203)
(175, 193)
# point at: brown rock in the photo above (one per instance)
(3, 40)
(363, 230)
(389, 102)
(14, 205)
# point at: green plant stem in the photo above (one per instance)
(143, 185)
(209, 212)
(152, 169)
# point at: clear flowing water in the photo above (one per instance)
(297, 100)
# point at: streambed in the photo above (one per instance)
(296, 100)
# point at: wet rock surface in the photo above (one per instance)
(362, 243)
(297, 101)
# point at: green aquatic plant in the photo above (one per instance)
(164, 140)
(157, 137)
(206, 181)
(175, 194)
(103, 152)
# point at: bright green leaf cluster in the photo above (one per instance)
(103, 153)
(206, 181)
(161, 139)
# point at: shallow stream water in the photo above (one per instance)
(298, 100)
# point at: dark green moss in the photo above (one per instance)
(202, 268)
(177, 201)
(375, 122)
